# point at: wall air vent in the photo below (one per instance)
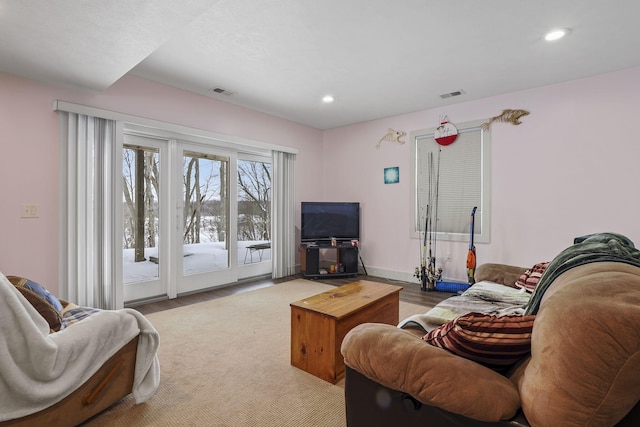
(221, 91)
(451, 94)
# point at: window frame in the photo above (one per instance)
(482, 233)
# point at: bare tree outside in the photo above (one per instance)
(191, 216)
(204, 191)
(254, 201)
(205, 211)
(140, 204)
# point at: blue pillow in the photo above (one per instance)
(41, 291)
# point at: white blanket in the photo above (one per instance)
(483, 297)
(39, 369)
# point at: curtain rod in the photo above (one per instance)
(70, 107)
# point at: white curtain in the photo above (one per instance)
(283, 215)
(88, 245)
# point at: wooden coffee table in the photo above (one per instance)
(319, 323)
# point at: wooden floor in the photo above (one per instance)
(410, 293)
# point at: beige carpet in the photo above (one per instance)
(226, 362)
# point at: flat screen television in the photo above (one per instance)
(320, 221)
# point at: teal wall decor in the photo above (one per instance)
(392, 175)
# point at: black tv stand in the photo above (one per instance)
(344, 255)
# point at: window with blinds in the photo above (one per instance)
(450, 180)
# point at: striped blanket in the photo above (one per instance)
(73, 314)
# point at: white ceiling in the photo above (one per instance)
(378, 58)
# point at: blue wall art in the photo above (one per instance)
(392, 175)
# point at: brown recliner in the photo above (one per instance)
(584, 367)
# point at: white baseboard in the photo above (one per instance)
(379, 272)
(391, 274)
(402, 276)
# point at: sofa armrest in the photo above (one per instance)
(399, 360)
(504, 274)
(585, 348)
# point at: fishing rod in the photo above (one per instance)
(437, 189)
(444, 134)
(423, 261)
(423, 239)
(431, 263)
(433, 273)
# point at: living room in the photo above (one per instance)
(560, 174)
(567, 170)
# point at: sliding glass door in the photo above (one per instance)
(194, 217)
(204, 258)
(254, 215)
(145, 248)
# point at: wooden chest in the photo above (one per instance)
(319, 323)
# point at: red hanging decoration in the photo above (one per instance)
(446, 133)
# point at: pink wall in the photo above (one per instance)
(570, 169)
(29, 159)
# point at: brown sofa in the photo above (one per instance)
(583, 369)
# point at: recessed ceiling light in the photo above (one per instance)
(555, 34)
(327, 99)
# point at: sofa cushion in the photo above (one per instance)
(41, 299)
(399, 360)
(530, 278)
(497, 342)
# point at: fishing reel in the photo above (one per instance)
(434, 276)
(428, 277)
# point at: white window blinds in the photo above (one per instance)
(450, 180)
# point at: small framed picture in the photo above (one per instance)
(392, 175)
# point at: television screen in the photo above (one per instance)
(324, 220)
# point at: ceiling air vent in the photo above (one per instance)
(451, 94)
(221, 91)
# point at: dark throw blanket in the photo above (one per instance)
(602, 247)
